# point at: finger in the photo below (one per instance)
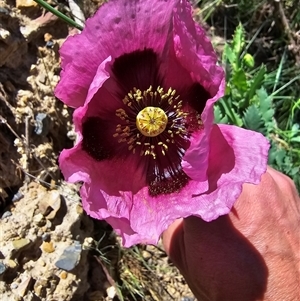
(172, 233)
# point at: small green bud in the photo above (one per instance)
(248, 60)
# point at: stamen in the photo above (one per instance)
(151, 121)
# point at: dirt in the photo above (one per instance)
(49, 248)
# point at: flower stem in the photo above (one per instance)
(58, 14)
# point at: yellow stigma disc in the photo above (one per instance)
(151, 121)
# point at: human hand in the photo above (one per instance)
(253, 253)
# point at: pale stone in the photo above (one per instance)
(48, 247)
(23, 287)
(25, 3)
(20, 243)
(4, 34)
(39, 220)
(111, 292)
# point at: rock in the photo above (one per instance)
(48, 224)
(25, 3)
(3, 268)
(17, 197)
(41, 262)
(88, 243)
(6, 214)
(39, 220)
(111, 292)
(42, 120)
(4, 11)
(63, 275)
(79, 209)
(49, 44)
(3, 195)
(70, 257)
(46, 236)
(24, 286)
(29, 30)
(54, 200)
(50, 204)
(38, 289)
(48, 247)
(40, 286)
(21, 243)
(30, 296)
(12, 264)
(146, 255)
(14, 285)
(4, 34)
(28, 250)
(48, 37)
(33, 69)
(42, 78)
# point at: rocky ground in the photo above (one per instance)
(49, 249)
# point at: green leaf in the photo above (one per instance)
(228, 89)
(253, 120)
(295, 139)
(238, 40)
(262, 94)
(278, 156)
(294, 171)
(219, 117)
(265, 105)
(273, 155)
(233, 117)
(295, 129)
(229, 55)
(257, 82)
(239, 80)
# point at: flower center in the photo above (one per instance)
(151, 121)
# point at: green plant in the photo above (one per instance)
(249, 102)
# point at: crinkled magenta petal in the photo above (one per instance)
(100, 177)
(100, 77)
(195, 160)
(236, 156)
(93, 198)
(118, 27)
(194, 52)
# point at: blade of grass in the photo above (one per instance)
(58, 14)
(285, 85)
(210, 7)
(295, 106)
(257, 83)
(279, 70)
(253, 38)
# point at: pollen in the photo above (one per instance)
(151, 121)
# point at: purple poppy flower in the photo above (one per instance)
(143, 78)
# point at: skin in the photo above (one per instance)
(253, 253)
